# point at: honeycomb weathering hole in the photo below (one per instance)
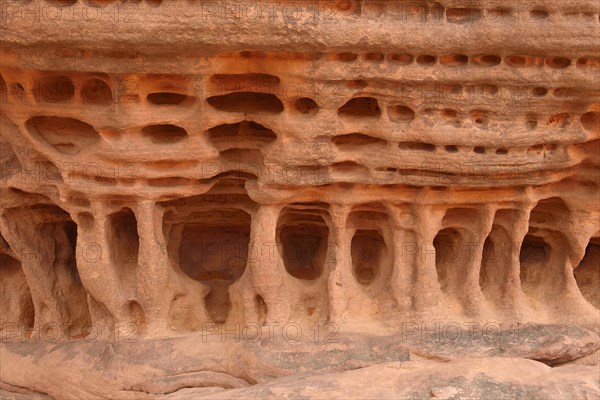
(428, 147)
(590, 121)
(168, 98)
(96, 91)
(516, 61)
(588, 62)
(247, 102)
(558, 62)
(344, 57)
(489, 60)
(400, 113)
(426, 59)
(360, 107)
(306, 106)
(55, 89)
(374, 57)
(213, 249)
(356, 139)
(302, 238)
(402, 59)
(454, 59)
(588, 276)
(164, 134)
(368, 251)
(246, 134)
(66, 135)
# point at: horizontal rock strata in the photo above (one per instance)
(171, 170)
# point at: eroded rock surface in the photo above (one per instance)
(407, 184)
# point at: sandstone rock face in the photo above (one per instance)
(350, 198)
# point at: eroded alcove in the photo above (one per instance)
(208, 239)
(214, 250)
(124, 241)
(369, 247)
(16, 306)
(302, 238)
(67, 135)
(68, 287)
(533, 258)
(44, 250)
(449, 253)
(544, 254)
(457, 258)
(587, 274)
(368, 253)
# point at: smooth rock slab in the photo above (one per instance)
(159, 367)
(481, 378)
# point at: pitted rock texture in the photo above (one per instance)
(173, 169)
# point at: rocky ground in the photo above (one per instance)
(535, 362)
